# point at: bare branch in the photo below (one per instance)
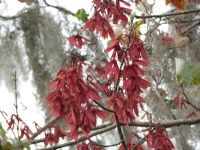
(80, 139)
(60, 8)
(109, 126)
(109, 110)
(188, 99)
(170, 14)
(167, 124)
(52, 120)
(159, 80)
(111, 145)
(191, 26)
(21, 13)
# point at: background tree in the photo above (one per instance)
(43, 47)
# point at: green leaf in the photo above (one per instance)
(2, 131)
(7, 146)
(170, 103)
(187, 75)
(82, 15)
(25, 145)
(196, 75)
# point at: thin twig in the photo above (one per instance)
(159, 80)
(16, 105)
(183, 91)
(52, 120)
(169, 14)
(191, 26)
(110, 126)
(60, 8)
(109, 110)
(6, 121)
(111, 145)
(80, 139)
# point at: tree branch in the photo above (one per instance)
(109, 126)
(21, 13)
(191, 26)
(109, 110)
(60, 8)
(52, 120)
(188, 99)
(111, 145)
(80, 139)
(167, 124)
(169, 14)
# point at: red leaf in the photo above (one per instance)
(120, 102)
(98, 86)
(108, 68)
(139, 70)
(74, 133)
(38, 128)
(85, 133)
(177, 3)
(128, 83)
(143, 83)
(143, 63)
(124, 2)
(52, 84)
(100, 113)
(50, 139)
(192, 114)
(77, 40)
(83, 85)
(93, 94)
(176, 101)
(101, 25)
(111, 45)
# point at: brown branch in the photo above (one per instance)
(21, 13)
(183, 91)
(52, 120)
(60, 8)
(16, 100)
(116, 87)
(191, 26)
(79, 132)
(141, 140)
(159, 80)
(169, 14)
(111, 145)
(109, 126)
(109, 110)
(167, 124)
(10, 17)
(120, 132)
(80, 139)
(116, 117)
